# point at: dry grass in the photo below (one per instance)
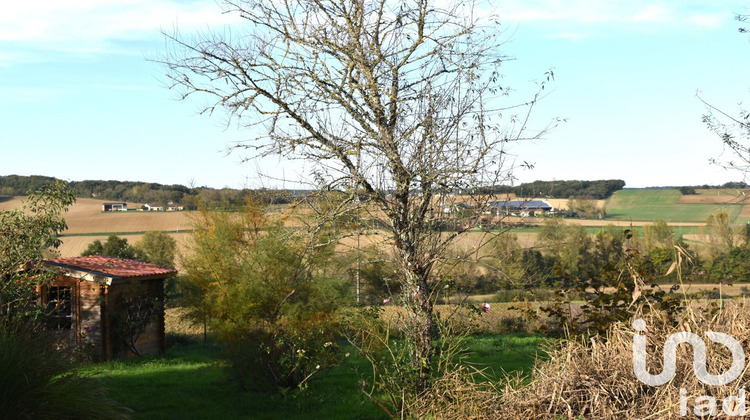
(499, 320)
(595, 379)
(175, 323)
(458, 394)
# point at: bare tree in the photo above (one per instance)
(398, 104)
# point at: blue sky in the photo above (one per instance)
(79, 99)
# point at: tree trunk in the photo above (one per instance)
(423, 328)
(420, 328)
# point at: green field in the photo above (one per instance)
(662, 204)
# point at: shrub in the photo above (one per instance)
(687, 190)
(614, 284)
(264, 291)
(456, 391)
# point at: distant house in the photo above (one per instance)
(95, 296)
(150, 207)
(520, 207)
(457, 208)
(115, 207)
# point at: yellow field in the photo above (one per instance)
(715, 196)
(562, 203)
(535, 221)
(74, 245)
(745, 213)
(86, 216)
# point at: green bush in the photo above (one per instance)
(268, 294)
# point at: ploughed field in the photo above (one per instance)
(87, 223)
(626, 208)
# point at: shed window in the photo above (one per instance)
(60, 306)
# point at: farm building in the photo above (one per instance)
(520, 207)
(113, 306)
(115, 207)
(458, 208)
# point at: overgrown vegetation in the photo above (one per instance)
(267, 292)
(594, 378)
(37, 379)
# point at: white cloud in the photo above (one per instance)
(653, 14)
(658, 12)
(121, 88)
(573, 36)
(30, 94)
(94, 25)
(708, 20)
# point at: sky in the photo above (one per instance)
(81, 97)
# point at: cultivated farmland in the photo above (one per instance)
(657, 204)
(626, 208)
(87, 223)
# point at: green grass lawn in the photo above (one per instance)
(190, 382)
(662, 205)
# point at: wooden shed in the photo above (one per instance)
(113, 306)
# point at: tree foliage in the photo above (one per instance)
(615, 281)
(687, 190)
(567, 243)
(114, 246)
(598, 190)
(264, 290)
(585, 207)
(657, 235)
(148, 192)
(158, 248)
(720, 233)
(27, 235)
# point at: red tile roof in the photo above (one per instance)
(112, 267)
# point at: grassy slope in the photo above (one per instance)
(662, 205)
(190, 382)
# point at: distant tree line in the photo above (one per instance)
(736, 185)
(597, 190)
(144, 192)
